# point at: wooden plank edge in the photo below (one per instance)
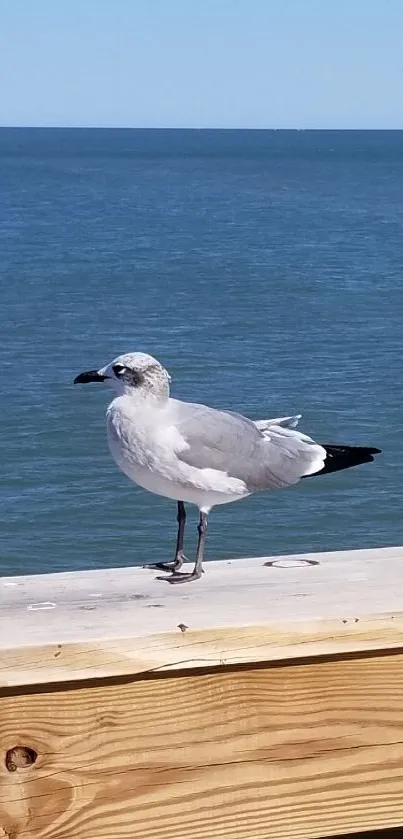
(187, 649)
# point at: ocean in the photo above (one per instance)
(263, 268)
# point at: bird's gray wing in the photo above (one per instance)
(234, 445)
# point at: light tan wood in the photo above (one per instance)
(278, 752)
(188, 737)
(96, 624)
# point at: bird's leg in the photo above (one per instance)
(198, 568)
(180, 557)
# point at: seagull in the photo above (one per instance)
(199, 455)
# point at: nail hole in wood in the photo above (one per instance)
(20, 757)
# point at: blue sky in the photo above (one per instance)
(202, 63)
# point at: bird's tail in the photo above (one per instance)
(342, 457)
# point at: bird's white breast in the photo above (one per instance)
(136, 439)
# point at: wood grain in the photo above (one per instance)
(98, 624)
(286, 752)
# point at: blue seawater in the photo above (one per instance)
(263, 268)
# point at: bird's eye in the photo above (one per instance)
(118, 369)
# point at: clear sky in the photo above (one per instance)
(202, 63)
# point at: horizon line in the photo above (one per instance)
(181, 128)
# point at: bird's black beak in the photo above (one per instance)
(89, 376)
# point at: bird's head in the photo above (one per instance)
(135, 374)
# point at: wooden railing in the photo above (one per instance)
(264, 701)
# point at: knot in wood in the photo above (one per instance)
(20, 757)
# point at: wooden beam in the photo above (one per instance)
(96, 624)
(285, 752)
(253, 719)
